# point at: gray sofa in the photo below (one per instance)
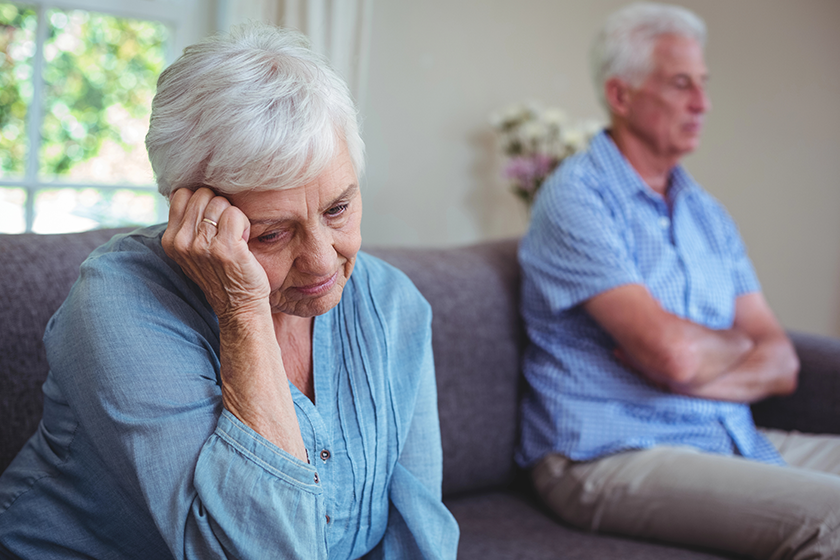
(478, 339)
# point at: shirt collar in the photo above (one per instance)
(607, 155)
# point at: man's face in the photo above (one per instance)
(666, 111)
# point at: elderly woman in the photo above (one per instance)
(224, 387)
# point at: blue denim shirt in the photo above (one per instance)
(595, 226)
(137, 458)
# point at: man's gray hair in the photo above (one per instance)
(252, 109)
(624, 46)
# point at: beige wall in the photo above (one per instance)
(771, 150)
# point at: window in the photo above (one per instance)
(75, 95)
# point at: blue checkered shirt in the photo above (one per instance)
(595, 226)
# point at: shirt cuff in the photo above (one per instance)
(265, 454)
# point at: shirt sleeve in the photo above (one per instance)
(419, 524)
(135, 352)
(743, 274)
(574, 248)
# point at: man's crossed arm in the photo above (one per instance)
(752, 360)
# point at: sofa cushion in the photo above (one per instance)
(504, 525)
(477, 339)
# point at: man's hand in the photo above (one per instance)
(771, 368)
(752, 360)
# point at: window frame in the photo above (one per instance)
(187, 21)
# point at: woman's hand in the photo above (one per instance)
(216, 257)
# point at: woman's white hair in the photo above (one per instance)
(624, 46)
(254, 109)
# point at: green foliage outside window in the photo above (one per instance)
(99, 74)
(17, 44)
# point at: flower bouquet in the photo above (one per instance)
(536, 140)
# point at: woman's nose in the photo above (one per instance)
(317, 254)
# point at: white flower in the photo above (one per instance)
(575, 138)
(533, 130)
(511, 116)
(536, 139)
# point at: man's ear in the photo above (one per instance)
(617, 94)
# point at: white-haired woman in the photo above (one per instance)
(221, 386)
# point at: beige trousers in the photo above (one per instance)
(682, 495)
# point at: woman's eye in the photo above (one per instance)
(336, 210)
(269, 237)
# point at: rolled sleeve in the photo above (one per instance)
(241, 481)
(574, 248)
(238, 437)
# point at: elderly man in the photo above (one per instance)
(649, 335)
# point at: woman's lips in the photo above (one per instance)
(318, 287)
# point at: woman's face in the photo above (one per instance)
(306, 238)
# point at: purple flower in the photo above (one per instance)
(528, 172)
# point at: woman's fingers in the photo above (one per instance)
(177, 208)
(197, 207)
(178, 204)
(234, 225)
(208, 238)
(207, 225)
(186, 209)
(215, 207)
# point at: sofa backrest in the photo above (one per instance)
(477, 339)
(36, 273)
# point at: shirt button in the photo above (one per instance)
(317, 480)
(664, 222)
(325, 454)
(328, 519)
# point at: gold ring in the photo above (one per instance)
(211, 222)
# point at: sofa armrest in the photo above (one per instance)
(815, 406)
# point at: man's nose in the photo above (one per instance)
(700, 101)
